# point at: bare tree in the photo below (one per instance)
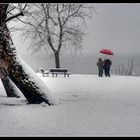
(125, 68)
(56, 26)
(21, 74)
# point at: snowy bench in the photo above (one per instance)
(44, 72)
(56, 71)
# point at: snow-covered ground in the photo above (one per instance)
(88, 106)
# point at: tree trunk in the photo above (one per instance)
(57, 60)
(32, 87)
(29, 83)
(10, 88)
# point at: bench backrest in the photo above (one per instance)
(58, 70)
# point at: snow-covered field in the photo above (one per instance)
(88, 106)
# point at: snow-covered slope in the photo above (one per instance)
(89, 106)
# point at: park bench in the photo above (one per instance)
(44, 72)
(56, 71)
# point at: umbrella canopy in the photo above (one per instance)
(107, 52)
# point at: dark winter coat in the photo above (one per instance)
(107, 64)
(100, 64)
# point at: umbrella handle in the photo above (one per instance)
(105, 56)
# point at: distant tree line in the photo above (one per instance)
(126, 68)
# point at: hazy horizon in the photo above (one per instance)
(81, 64)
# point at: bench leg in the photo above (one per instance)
(52, 74)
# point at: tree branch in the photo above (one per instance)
(15, 16)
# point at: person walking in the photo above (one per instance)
(100, 67)
(107, 64)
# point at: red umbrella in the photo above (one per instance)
(107, 52)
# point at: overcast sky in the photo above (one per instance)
(115, 26)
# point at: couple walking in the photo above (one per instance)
(104, 65)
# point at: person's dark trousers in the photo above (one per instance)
(107, 72)
(100, 74)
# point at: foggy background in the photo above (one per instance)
(116, 26)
